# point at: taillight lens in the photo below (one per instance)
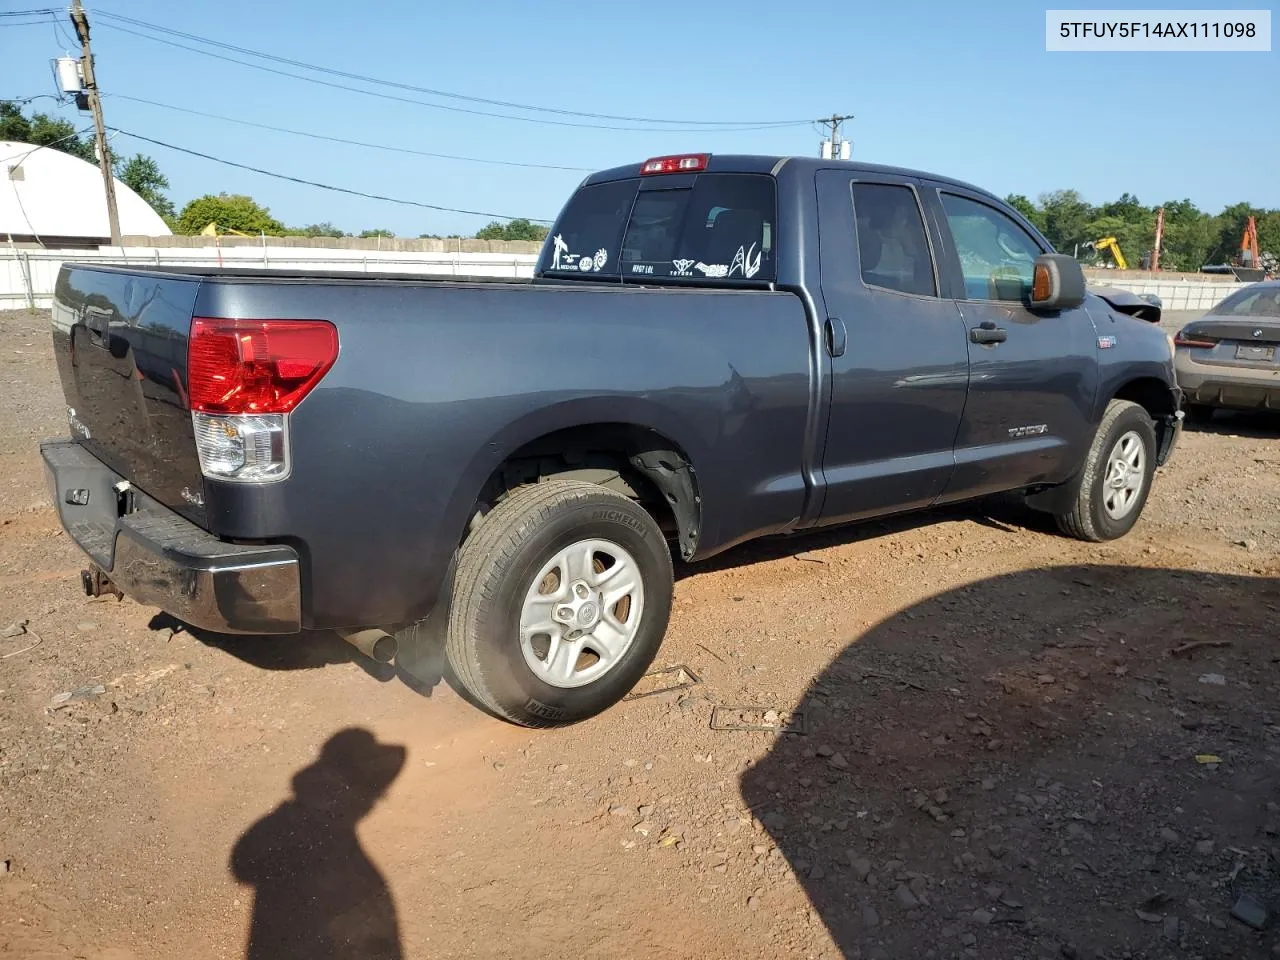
(1184, 339)
(244, 377)
(256, 366)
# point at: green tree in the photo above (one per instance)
(325, 229)
(1066, 219)
(1188, 237)
(1027, 209)
(230, 212)
(379, 232)
(521, 229)
(44, 131)
(142, 175)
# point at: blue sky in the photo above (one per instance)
(960, 89)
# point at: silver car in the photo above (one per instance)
(1228, 358)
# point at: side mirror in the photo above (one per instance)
(1057, 283)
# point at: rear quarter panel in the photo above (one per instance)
(436, 385)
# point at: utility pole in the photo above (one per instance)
(833, 148)
(81, 22)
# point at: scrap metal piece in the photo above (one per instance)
(683, 677)
(767, 719)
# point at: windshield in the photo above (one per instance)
(1250, 302)
(721, 227)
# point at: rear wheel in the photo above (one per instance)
(1116, 477)
(561, 599)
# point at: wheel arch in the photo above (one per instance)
(1162, 405)
(638, 450)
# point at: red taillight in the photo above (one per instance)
(685, 163)
(1184, 339)
(256, 366)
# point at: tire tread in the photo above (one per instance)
(1078, 522)
(505, 527)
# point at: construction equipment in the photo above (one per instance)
(1110, 243)
(1247, 265)
(212, 229)
(1249, 260)
(1155, 252)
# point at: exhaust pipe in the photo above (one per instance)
(373, 643)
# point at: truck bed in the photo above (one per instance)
(438, 381)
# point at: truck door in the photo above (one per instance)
(1033, 376)
(899, 367)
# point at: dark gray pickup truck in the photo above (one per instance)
(713, 348)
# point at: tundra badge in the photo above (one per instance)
(1034, 430)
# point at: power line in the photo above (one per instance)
(422, 103)
(325, 186)
(354, 143)
(441, 93)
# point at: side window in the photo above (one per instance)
(997, 257)
(892, 245)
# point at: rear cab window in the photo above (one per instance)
(718, 226)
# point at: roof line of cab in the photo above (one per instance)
(773, 164)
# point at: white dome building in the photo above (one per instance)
(53, 199)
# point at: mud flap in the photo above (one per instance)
(673, 476)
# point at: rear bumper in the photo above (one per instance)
(161, 559)
(1217, 385)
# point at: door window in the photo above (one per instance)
(892, 246)
(997, 257)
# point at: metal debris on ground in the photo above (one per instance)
(757, 718)
(809, 557)
(1214, 679)
(1208, 758)
(30, 646)
(1249, 911)
(1183, 649)
(666, 680)
(80, 693)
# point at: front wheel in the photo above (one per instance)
(561, 599)
(1116, 476)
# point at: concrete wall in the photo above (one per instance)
(27, 277)
(1178, 291)
(380, 244)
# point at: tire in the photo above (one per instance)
(1199, 413)
(509, 572)
(1101, 511)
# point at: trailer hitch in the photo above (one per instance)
(98, 584)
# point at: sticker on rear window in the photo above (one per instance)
(743, 263)
(563, 259)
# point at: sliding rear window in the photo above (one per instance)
(722, 226)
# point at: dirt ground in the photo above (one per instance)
(998, 743)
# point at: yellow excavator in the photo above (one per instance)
(213, 230)
(1110, 243)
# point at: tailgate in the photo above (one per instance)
(120, 338)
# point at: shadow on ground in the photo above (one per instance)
(1262, 425)
(421, 664)
(317, 895)
(1052, 763)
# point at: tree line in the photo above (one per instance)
(230, 213)
(1192, 237)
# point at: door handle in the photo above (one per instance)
(988, 333)
(837, 336)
